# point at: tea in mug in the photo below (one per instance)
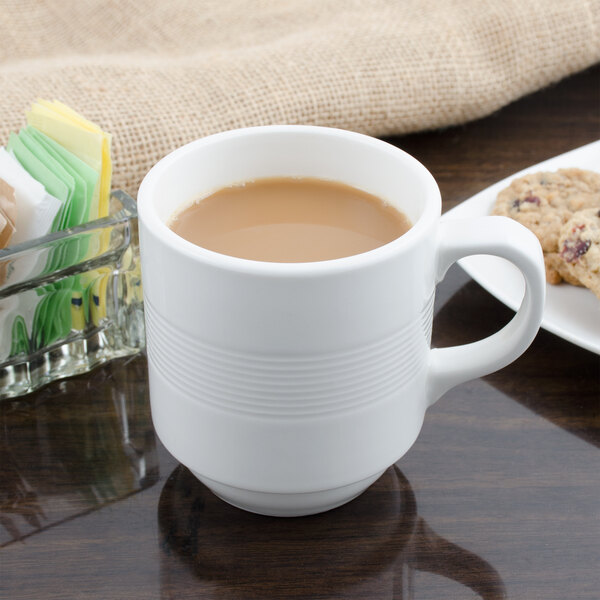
(290, 220)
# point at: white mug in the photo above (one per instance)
(288, 388)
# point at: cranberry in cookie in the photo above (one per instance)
(579, 248)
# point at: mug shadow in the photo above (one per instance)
(555, 379)
(368, 548)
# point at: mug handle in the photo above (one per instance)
(499, 236)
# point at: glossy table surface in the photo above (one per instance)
(498, 498)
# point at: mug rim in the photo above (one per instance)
(149, 218)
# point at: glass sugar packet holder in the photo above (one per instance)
(70, 300)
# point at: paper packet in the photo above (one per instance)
(81, 137)
(36, 208)
(86, 179)
(71, 171)
(8, 213)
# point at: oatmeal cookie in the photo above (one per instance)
(579, 247)
(557, 270)
(544, 201)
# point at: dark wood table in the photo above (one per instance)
(498, 498)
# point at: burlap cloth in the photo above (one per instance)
(158, 73)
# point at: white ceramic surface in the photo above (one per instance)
(572, 313)
(288, 388)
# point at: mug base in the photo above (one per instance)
(287, 505)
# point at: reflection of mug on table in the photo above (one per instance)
(71, 455)
(289, 388)
(221, 552)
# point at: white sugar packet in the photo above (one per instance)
(8, 312)
(36, 209)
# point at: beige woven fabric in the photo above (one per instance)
(157, 74)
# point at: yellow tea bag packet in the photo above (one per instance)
(90, 143)
(81, 137)
(106, 171)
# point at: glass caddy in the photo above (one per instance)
(70, 300)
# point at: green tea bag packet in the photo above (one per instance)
(58, 170)
(83, 141)
(86, 186)
(16, 321)
(78, 196)
(39, 326)
(36, 208)
(86, 179)
(73, 208)
(52, 320)
(53, 184)
(20, 343)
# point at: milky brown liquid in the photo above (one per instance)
(290, 220)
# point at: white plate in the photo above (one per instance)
(572, 313)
